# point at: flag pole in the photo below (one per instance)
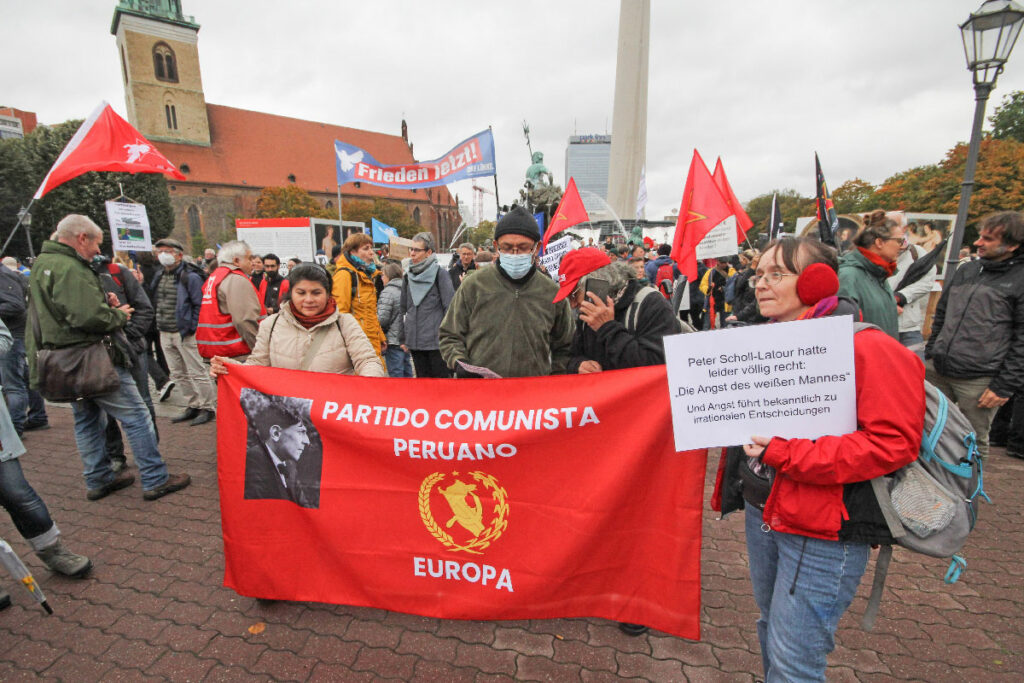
(497, 202)
(21, 217)
(341, 226)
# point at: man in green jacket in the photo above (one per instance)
(502, 318)
(71, 309)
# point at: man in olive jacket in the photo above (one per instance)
(503, 318)
(72, 310)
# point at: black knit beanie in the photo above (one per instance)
(518, 221)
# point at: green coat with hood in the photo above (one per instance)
(510, 327)
(68, 299)
(865, 283)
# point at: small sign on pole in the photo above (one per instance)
(129, 226)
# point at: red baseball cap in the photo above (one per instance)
(575, 265)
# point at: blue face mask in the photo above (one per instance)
(516, 265)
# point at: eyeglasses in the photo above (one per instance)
(416, 250)
(902, 240)
(771, 279)
(514, 250)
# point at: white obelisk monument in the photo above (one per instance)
(629, 117)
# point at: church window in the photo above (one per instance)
(291, 177)
(416, 215)
(193, 220)
(329, 204)
(172, 116)
(165, 66)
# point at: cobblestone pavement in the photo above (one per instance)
(155, 608)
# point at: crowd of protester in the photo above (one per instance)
(810, 516)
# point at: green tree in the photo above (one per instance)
(290, 201)
(25, 162)
(998, 184)
(480, 234)
(853, 196)
(387, 212)
(791, 204)
(1008, 118)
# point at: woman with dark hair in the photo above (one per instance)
(811, 514)
(864, 269)
(309, 333)
(353, 287)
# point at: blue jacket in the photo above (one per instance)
(190, 297)
(651, 269)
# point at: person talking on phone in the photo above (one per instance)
(620, 324)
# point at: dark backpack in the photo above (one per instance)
(12, 297)
(665, 280)
(730, 289)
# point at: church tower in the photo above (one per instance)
(158, 48)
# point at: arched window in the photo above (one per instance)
(416, 215)
(193, 220)
(172, 117)
(165, 66)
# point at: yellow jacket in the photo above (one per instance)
(363, 306)
(705, 284)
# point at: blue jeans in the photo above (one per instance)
(802, 586)
(398, 361)
(24, 404)
(126, 405)
(911, 337)
(27, 509)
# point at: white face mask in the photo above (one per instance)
(165, 258)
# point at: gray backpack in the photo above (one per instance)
(931, 505)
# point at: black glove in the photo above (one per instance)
(463, 373)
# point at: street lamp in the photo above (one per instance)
(25, 218)
(989, 35)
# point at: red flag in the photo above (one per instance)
(106, 142)
(570, 212)
(702, 209)
(743, 222)
(528, 498)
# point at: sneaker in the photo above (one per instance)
(35, 426)
(165, 390)
(187, 416)
(59, 559)
(121, 479)
(175, 482)
(203, 417)
(632, 629)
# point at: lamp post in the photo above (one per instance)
(989, 35)
(25, 218)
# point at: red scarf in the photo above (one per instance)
(888, 266)
(309, 321)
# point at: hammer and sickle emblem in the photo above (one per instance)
(470, 517)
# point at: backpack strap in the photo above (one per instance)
(881, 571)
(354, 277)
(634, 308)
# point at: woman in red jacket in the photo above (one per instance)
(811, 516)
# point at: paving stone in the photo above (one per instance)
(183, 638)
(180, 666)
(331, 673)
(523, 642)
(561, 629)
(384, 662)
(234, 650)
(427, 646)
(467, 631)
(707, 674)
(647, 667)
(284, 666)
(76, 667)
(607, 633)
(603, 677)
(429, 672)
(330, 649)
(586, 656)
(485, 658)
(543, 669)
(227, 674)
(133, 654)
(686, 651)
(373, 633)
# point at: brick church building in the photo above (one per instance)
(229, 155)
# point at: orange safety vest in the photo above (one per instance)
(216, 334)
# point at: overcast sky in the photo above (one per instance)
(875, 86)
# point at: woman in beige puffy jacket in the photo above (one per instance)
(309, 333)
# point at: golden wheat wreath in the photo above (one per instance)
(497, 526)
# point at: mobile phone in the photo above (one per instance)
(598, 287)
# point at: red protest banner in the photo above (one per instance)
(468, 499)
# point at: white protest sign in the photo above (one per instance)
(794, 380)
(129, 226)
(553, 254)
(720, 241)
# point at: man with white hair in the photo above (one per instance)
(72, 310)
(10, 263)
(230, 314)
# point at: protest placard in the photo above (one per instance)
(720, 240)
(553, 255)
(129, 226)
(794, 380)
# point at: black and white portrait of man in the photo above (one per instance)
(284, 454)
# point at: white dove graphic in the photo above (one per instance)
(348, 161)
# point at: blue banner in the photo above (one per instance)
(382, 232)
(471, 158)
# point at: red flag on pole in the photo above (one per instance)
(743, 222)
(570, 212)
(106, 142)
(702, 209)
